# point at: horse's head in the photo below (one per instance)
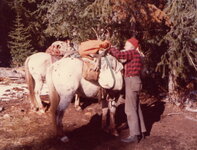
(62, 46)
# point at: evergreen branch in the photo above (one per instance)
(191, 60)
(97, 36)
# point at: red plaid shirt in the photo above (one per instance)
(133, 65)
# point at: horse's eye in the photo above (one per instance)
(58, 46)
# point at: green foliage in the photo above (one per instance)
(19, 43)
(33, 15)
(181, 54)
(63, 19)
(113, 16)
(79, 20)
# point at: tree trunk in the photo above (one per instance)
(171, 82)
(172, 88)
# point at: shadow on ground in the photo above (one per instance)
(87, 137)
(152, 114)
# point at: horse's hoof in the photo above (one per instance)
(40, 111)
(78, 108)
(34, 109)
(64, 139)
(115, 133)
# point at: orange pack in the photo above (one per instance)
(92, 47)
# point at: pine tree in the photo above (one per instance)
(64, 19)
(34, 18)
(179, 62)
(19, 43)
(33, 14)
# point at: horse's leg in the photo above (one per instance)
(77, 102)
(104, 115)
(112, 110)
(37, 90)
(60, 98)
(59, 113)
(31, 84)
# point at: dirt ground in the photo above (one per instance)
(169, 128)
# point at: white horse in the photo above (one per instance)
(64, 79)
(36, 67)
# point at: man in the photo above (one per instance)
(133, 84)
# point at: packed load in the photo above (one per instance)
(89, 48)
(106, 71)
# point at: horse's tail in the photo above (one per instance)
(30, 81)
(53, 95)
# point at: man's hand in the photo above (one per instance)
(105, 45)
